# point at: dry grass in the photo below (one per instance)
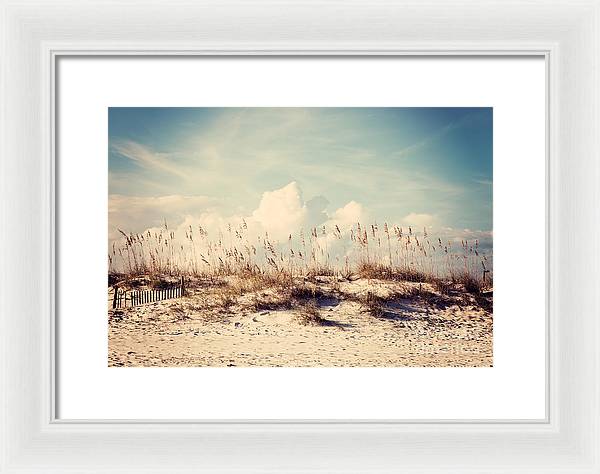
(442, 285)
(271, 302)
(371, 251)
(239, 270)
(374, 304)
(470, 284)
(386, 272)
(226, 297)
(309, 314)
(295, 294)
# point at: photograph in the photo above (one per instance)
(300, 237)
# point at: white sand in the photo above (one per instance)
(421, 331)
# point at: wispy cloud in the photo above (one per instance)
(147, 158)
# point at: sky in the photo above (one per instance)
(290, 167)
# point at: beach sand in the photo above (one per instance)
(409, 325)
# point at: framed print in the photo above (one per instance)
(265, 258)
(228, 245)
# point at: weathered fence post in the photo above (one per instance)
(484, 273)
(182, 286)
(116, 291)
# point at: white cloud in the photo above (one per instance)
(349, 215)
(134, 214)
(280, 213)
(419, 220)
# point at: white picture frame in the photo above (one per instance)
(35, 35)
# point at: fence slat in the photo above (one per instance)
(140, 297)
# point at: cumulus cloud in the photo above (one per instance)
(280, 213)
(347, 216)
(284, 211)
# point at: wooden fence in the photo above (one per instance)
(129, 298)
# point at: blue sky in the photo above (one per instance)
(429, 165)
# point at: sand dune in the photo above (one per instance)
(410, 324)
